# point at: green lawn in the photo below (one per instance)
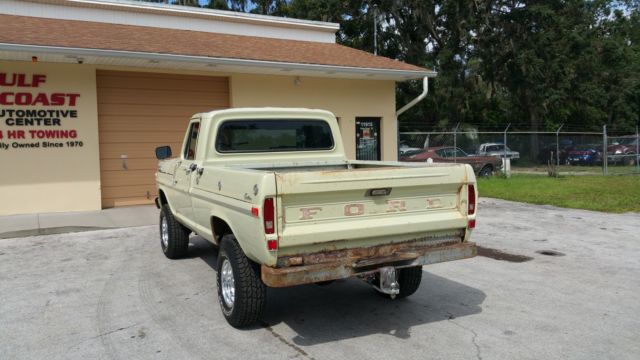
(574, 170)
(616, 194)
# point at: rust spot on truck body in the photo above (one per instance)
(340, 264)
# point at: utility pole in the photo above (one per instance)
(375, 29)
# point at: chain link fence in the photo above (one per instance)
(555, 153)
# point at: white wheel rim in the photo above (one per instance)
(165, 232)
(228, 284)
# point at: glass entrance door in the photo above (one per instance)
(367, 138)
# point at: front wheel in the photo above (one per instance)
(241, 292)
(174, 237)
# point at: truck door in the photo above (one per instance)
(185, 172)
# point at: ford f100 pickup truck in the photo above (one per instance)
(273, 189)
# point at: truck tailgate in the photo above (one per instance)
(370, 206)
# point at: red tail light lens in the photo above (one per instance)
(471, 198)
(268, 213)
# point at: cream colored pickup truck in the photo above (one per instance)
(274, 190)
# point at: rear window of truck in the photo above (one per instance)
(245, 136)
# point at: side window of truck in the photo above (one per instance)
(192, 141)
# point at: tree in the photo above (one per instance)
(533, 63)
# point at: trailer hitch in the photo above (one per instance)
(388, 281)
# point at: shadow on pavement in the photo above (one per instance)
(350, 308)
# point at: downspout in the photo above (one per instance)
(412, 103)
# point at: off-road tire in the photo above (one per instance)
(250, 291)
(408, 279)
(486, 171)
(177, 242)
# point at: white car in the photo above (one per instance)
(405, 150)
(497, 150)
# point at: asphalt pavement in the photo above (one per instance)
(551, 284)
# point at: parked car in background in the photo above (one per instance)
(482, 165)
(498, 150)
(624, 152)
(585, 155)
(548, 151)
(405, 149)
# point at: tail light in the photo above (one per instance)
(471, 198)
(268, 214)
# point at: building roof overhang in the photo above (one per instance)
(202, 63)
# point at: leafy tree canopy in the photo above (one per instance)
(534, 64)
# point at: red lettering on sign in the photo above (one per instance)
(72, 99)
(20, 80)
(15, 134)
(1, 136)
(57, 99)
(39, 79)
(40, 99)
(23, 99)
(53, 134)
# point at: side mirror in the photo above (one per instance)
(163, 152)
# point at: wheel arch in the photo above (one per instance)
(486, 166)
(162, 198)
(222, 225)
(219, 228)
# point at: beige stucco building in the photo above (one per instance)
(89, 89)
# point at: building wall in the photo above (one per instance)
(67, 178)
(346, 98)
(47, 179)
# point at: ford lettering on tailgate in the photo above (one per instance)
(377, 207)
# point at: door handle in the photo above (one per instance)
(191, 168)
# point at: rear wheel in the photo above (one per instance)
(174, 237)
(486, 171)
(241, 292)
(409, 280)
(630, 159)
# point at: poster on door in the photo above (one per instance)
(367, 138)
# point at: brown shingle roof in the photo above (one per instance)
(93, 35)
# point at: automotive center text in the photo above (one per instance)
(33, 118)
